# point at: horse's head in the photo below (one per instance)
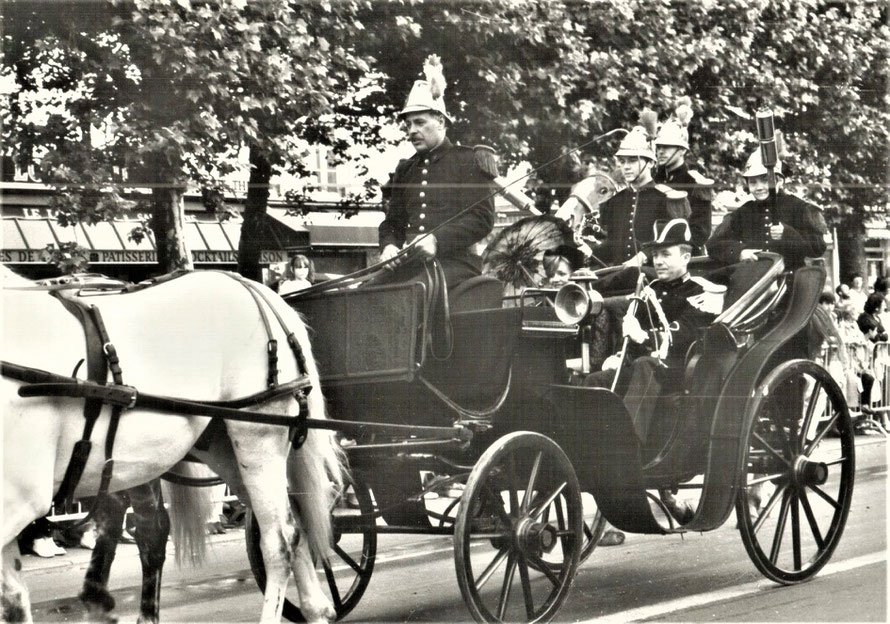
(581, 209)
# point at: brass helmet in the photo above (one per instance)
(427, 95)
(755, 167)
(674, 132)
(636, 143)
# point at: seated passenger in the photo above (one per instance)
(689, 303)
(560, 263)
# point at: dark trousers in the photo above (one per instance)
(640, 383)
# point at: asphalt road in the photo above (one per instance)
(694, 578)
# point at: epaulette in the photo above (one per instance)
(700, 179)
(711, 300)
(671, 193)
(486, 160)
(708, 285)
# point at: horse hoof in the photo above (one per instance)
(97, 615)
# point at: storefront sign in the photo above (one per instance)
(150, 256)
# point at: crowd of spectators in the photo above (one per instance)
(859, 320)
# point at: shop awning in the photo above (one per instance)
(332, 228)
(210, 240)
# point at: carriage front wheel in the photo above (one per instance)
(796, 488)
(519, 531)
(349, 571)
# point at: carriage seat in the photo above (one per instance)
(482, 292)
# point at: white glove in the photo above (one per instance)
(425, 245)
(612, 362)
(631, 328)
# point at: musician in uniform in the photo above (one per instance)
(441, 182)
(689, 304)
(671, 146)
(771, 221)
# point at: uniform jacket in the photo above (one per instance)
(748, 228)
(700, 193)
(628, 218)
(429, 188)
(688, 305)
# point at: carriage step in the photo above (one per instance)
(550, 327)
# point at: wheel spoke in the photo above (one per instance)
(834, 462)
(828, 499)
(526, 586)
(532, 478)
(491, 568)
(539, 509)
(332, 585)
(780, 529)
(768, 509)
(769, 449)
(514, 497)
(795, 531)
(562, 532)
(811, 518)
(504, 598)
(543, 567)
(811, 410)
(809, 448)
(765, 479)
(345, 557)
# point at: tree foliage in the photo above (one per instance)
(183, 84)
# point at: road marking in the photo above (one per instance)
(698, 600)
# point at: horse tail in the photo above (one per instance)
(316, 473)
(189, 509)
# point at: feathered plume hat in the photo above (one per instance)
(674, 132)
(638, 142)
(428, 95)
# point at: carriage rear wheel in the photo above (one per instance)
(348, 573)
(519, 531)
(797, 485)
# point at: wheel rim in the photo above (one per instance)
(346, 576)
(802, 478)
(519, 531)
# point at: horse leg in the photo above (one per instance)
(14, 603)
(109, 519)
(261, 454)
(152, 532)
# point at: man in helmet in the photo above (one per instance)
(629, 215)
(440, 182)
(780, 223)
(671, 146)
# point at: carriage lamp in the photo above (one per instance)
(574, 303)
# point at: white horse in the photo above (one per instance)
(198, 337)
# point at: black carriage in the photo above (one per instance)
(481, 407)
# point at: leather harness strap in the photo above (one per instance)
(101, 358)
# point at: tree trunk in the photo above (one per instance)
(167, 222)
(251, 243)
(851, 246)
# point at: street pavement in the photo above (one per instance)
(699, 577)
